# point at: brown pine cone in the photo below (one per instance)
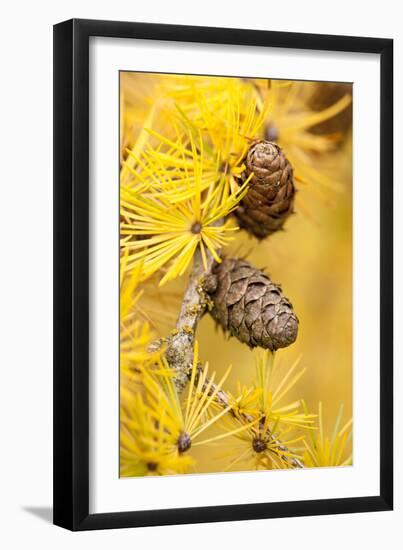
(270, 197)
(249, 306)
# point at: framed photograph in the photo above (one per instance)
(223, 320)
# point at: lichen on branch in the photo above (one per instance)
(180, 344)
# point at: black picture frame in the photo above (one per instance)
(71, 274)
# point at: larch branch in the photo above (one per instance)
(180, 345)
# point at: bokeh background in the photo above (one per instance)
(311, 259)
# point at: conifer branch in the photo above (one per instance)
(180, 344)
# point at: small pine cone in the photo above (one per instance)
(248, 305)
(270, 197)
